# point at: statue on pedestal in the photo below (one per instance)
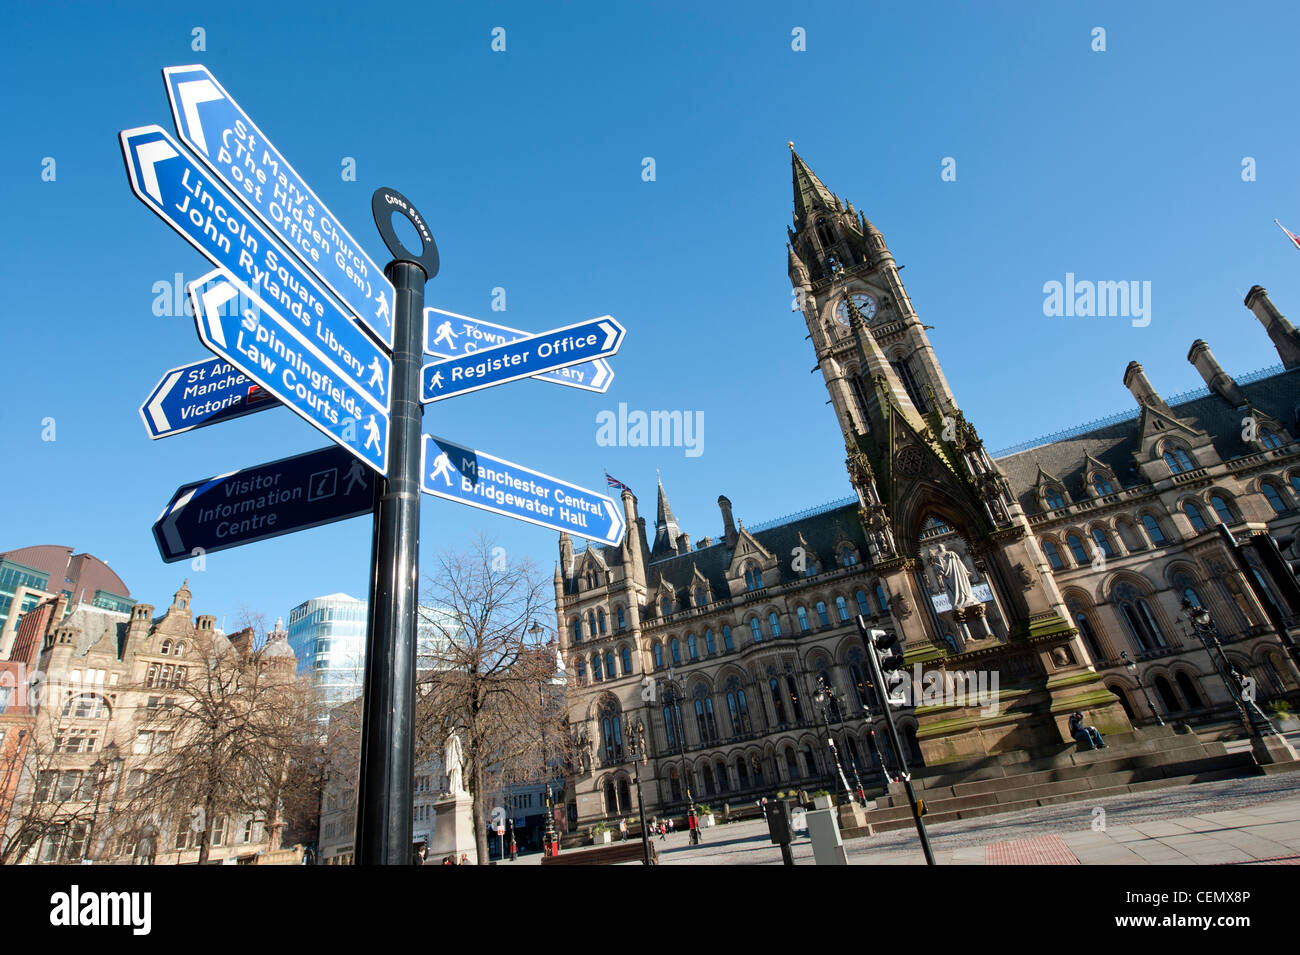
(955, 577)
(452, 759)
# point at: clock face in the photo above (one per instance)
(864, 302)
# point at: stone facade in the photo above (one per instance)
(1028, 574)
(99, 677)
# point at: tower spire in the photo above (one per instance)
(810, 193)
(666, 529)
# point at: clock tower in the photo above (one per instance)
(968, 588)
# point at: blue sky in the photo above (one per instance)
(1116, 165)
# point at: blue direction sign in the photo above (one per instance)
(448, 335)
(201, 393)
(193, 203)
(211, 123)
(262, 502)
(521, 358)
(457, 473)
(340, 387)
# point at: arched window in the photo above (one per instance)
(609, 663)
(1273, 497)
(166, 648)
(1053, 498)
(737, 707)
(1102, 485)
(756, 630)
(1295, 481)
(724, 784)
(596, 668)
(1195, 515)
(704, 720)
(1178, 460)
(611, 801)
(1222, 508)
(626, 656)
(624, 796)
(659, 656)
(178, 649)
(600, 620)
(1077, 549)
(622, 618)
(1053, 555)
(792, 762)
(864, 608)
(88, 706)
(613, 735)
(847, 557)
(822, 618)
(802, 614)
(707, 776)
(576, 623)
(591, 623)
(756, 768)
(742, 773)
(1103, 542)
(882, 599)
(774, 624)
(1270, 438)
(727, 643)
(675, 649)
(795, 705)
(857, 674)
(674, 784)
(665, 605)
(824, 235)
(778, 705)
(582, 671)
(1138, 616)
(701, 598)
(1089, 636)
(753, 577)
(842, 608)
(672, 717)
(810, 760)
(1153, 530)
(710, 646)
(1190, 693)
(1167, 695)
(692, 648)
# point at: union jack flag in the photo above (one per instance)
(1295, 239)
(615, 482)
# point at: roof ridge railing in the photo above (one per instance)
(1182, 397)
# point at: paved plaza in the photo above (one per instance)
(1254, 821)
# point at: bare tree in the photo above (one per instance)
(488, 673)
(224, 742)
(50, 801)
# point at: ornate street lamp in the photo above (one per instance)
(549, 846)
(823, 698)
(1252, 717)
(639, 756)
(1132, 669)
(676, 696)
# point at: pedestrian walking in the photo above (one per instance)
(622, 829)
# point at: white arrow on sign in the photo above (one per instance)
(213, 299)
(156, 412)
(150, 155)
(191, 95)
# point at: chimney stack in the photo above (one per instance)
(1216, 379)
(1135, 380)
(728, 524)
(1284, 335)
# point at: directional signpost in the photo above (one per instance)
(448, 335)
(521, 358)
(480, 480)
(201, 393)
(305, 371)
(290, 313)
(228, 142)
(261, 502)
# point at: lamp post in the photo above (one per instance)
(639, 756)
(676, 696)
(1132, 669)
(549, 847)
(823, 698)
(1252, 717)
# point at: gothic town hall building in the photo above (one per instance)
(729, 656)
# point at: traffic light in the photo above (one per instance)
(889, 659)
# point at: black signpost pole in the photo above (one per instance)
(383, 834)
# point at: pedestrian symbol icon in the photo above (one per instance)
(382, 310)
(376, 375)
(445, 334)
(436, 380)
(355, 476)
(372, 435)
(441, 468)
(323, 484)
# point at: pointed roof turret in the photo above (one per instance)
(666, 529)
(809, 192)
